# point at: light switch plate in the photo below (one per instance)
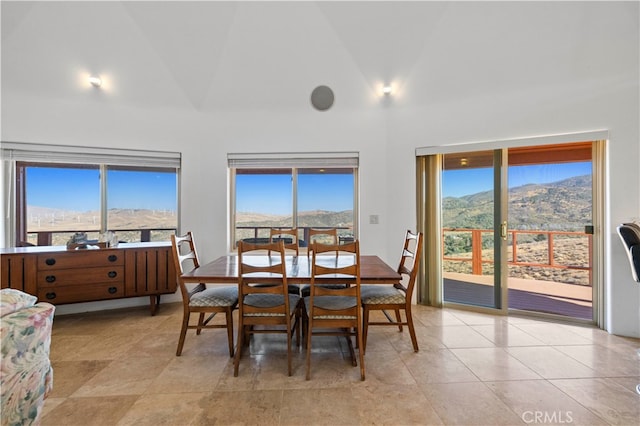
(374, 219)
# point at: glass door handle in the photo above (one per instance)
(503, 230)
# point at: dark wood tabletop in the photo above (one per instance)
(224, 269)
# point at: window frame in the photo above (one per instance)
(294, 162)
(18, 156)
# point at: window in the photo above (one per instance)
(142, 203)
(311, 192)
(131, 193)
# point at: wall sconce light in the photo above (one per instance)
(95, 81)
(387, 89)
(464, 162)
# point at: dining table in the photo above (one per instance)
(224, 270)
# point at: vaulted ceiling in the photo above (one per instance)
(206, 55)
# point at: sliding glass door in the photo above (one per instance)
(550, 236)
(516, 227)
(470, 216)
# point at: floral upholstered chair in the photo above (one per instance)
(26, 376)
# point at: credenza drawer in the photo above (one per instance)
(63, 277)
(80, 259)
(72, 294)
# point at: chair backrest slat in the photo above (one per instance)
(276, 234)
(184, 248)
(313, 233)
(410, 261)
(273, 274)
(331, 260)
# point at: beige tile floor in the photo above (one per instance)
(119, 368)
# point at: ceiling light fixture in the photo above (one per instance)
(95, 81)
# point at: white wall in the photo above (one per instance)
(208, 78)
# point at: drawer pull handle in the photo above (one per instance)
(112, 290)
(112, 258)
(50, 278)
(112, 274)
(50, 261)
(51, 295)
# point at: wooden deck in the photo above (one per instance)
(569, 300)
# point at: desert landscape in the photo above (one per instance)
(559, 206)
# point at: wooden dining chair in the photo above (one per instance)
(395, 297)
(276, 234)
(322, 236)
(286, 234)
(269, 306)
(200, 299)
(335, 311)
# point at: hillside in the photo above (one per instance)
(563, 205)
(314, 218)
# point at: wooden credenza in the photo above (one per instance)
(57, 275)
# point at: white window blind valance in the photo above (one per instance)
(293, 159)
(43, 153)
(512, 143)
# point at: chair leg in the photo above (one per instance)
(289, 349)
(412, 330)
(247, 335)
(200, 323)
(360, 352)
(229, 314)
(297, 325)
(183, 333)
(352, 352)
(236, 360)
(398, 319)
(310, 325)
(305, 326)
(365, 327)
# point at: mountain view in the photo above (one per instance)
(124, 222)
(559, 206)
(311, 219)
(316, 218)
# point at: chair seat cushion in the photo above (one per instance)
(333, 303)
(293, 288)
(216, 295)
(258, 300)
(381, 294)
(305, 289)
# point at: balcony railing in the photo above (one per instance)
(47, 238)
(477, 258)
(343, 237)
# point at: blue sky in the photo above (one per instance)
(258, 193)
(79, 189)
(460, 182)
